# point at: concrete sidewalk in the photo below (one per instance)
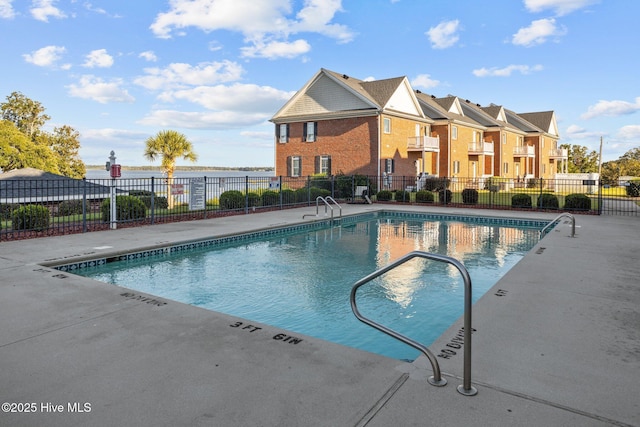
(556, 342)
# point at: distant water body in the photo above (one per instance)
(134, 174)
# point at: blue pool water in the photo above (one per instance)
(300, 280)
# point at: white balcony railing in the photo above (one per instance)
(423, 143)
(480, 148)
(524, 151)
(559, 153)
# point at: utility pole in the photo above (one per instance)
(600, 160)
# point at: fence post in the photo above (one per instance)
(153, 200)
(84, 204)
(246, 194)
(281, 195)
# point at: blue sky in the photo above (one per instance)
(119, 71)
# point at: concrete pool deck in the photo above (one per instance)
(556, 342)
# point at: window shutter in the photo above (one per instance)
(328, 165)
(277, 133)
(304, 132)
(315, 131)
(317, 162)
(289, 160)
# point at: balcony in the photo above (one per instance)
(423, 143)
(559, 153)
(481, 148)
(524, 151)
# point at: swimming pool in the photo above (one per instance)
(299, 278)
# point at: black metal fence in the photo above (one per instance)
(37, 207)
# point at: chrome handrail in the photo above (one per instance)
(564, 214)
(466, 388)
(325, 200)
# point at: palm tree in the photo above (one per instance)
(169, 145)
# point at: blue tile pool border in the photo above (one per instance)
(309, 226)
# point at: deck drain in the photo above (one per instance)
(540, 250)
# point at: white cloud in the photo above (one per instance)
(6, 10)
(98, 58)
(96, 89)
(274, 50)
(203, 120)
(424, 81)
(266, 136)
(561, 7)
(506, 71)
(148, 55)
(110, 134)
(444, 34)
(576, 132)
(630, 132)
(237, 97)
(43, 9)
(45, 57)
(537, 33)
(266, 25)
(611, 108)
(180, 75)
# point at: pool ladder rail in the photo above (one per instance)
(556, 219)
(465, 388)
(327, 206)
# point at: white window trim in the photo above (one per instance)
(454, 132)
(386, 125)
(284, 136)
(311, 132)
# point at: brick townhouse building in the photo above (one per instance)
(338, 124)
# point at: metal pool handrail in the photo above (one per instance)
(327, 205)
(573, 223)
(466, 388)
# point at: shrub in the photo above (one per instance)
(402, 196)
(321, 180)
(319, 192)
(436, 184)
(270, 198)
(6, 210)
(70, 207)
(521, 200)
(30, 217)
(470, 196)
(548, 201)
(633, 189)
(140, 193)
(424, 196)
(578, 202)
(444, 196)
(384, 195)
(288, 196)
(128, 208)
(231, 199)
(158, 202)
(253, 199)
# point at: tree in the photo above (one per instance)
(17, 151)
(169, 145)
(24, 144)
(580, 160)
(65, 143)
(26, 114)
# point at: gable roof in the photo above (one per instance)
(34, 185)
(329, 95)
(545, 120)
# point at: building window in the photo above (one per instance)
(505, 168)
(310, 132)
(454, 132)
(386, 125)
(283, 133)
(323, 165)
(389, 166)
(456, 166)
(295, 166)
(504, 139)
